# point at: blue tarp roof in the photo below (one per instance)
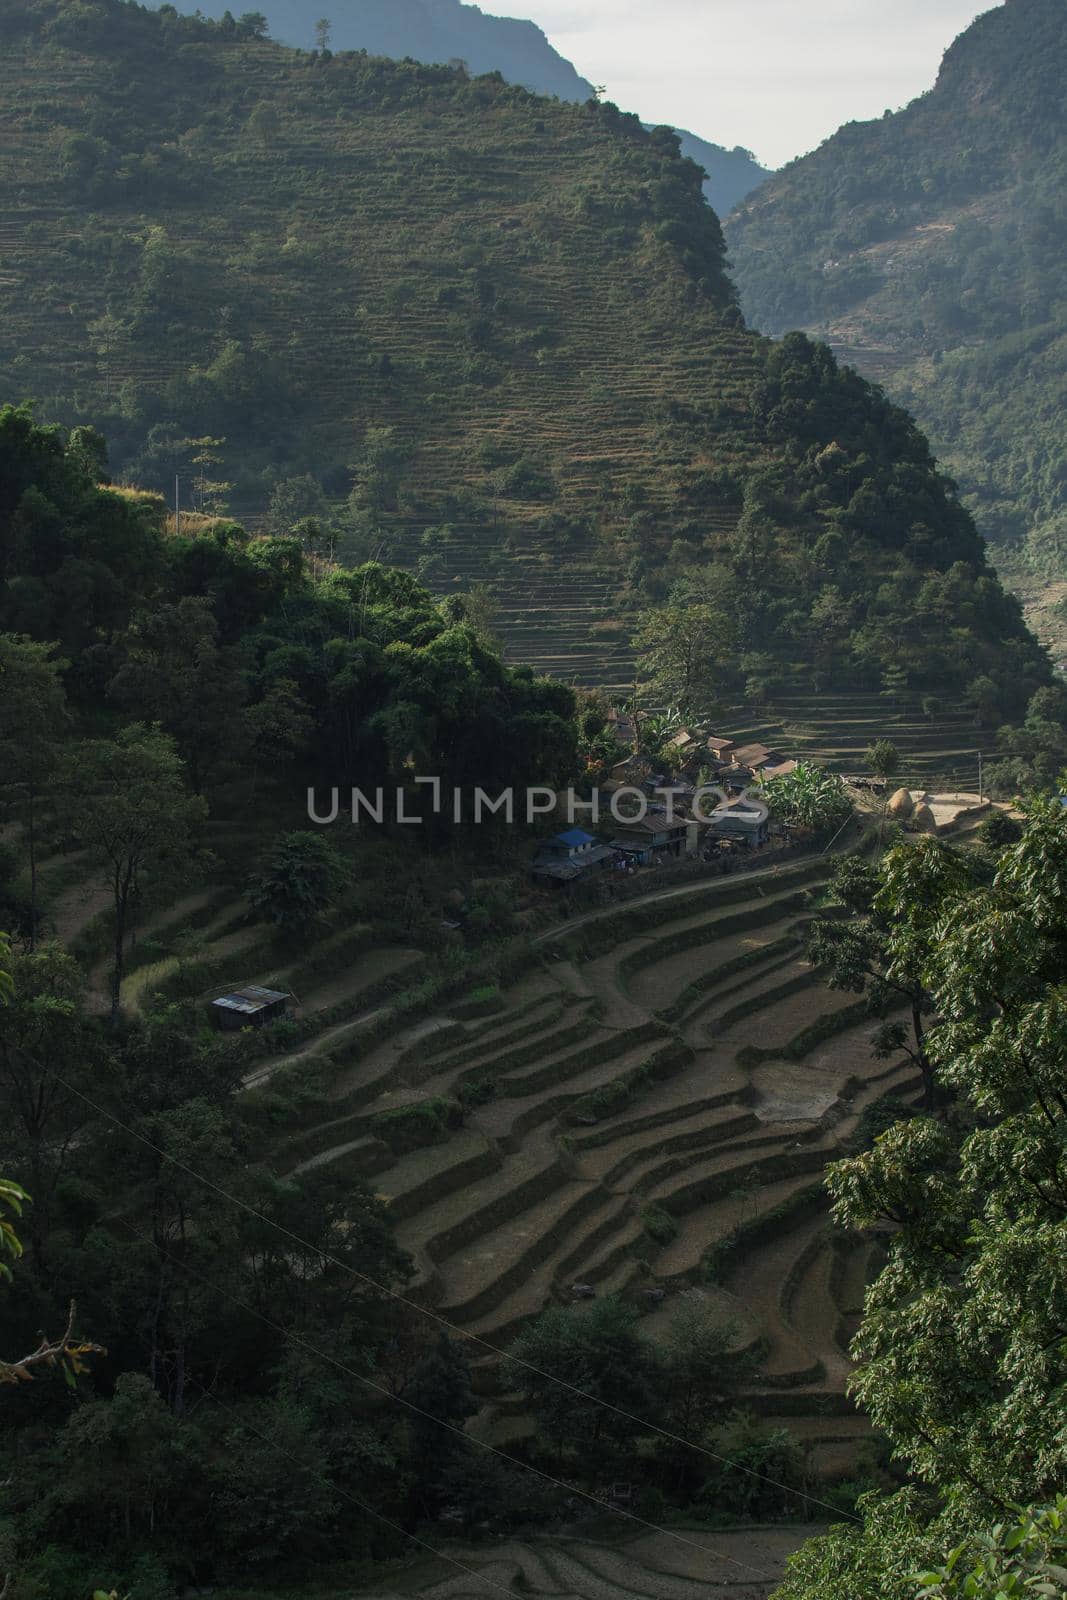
(573, 838)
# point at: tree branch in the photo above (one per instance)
(50, 1352)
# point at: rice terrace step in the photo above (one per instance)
(656, 1071)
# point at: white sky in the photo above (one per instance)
(777, 76)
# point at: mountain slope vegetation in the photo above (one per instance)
(417, 315)
(929, 247)
(447, 31)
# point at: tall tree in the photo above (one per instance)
(45, 1043)
(874, 954)
(125, 800)
(962, 1350)
(598, 1351)
(302, 875)
(177, 674)
(676, 647)
(883, 758)
(33, 719)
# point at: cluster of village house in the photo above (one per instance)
(666, 826)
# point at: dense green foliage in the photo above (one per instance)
(205, 676)
(961, 1351)
(1014, 1559)
(239, 653)
(191, 1296)
(601, 1393)
(930, 246)
(810, 797)
(851, 561)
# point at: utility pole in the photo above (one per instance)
(177, 506)
(980, 794)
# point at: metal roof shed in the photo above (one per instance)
(249, 1008)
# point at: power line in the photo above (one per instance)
(435, 1316)
(451, 1427)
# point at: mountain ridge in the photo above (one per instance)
(928, 248)
(443, 31)
(388, 309)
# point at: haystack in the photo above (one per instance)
(901, 805)
(923, 820)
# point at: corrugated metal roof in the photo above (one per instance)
(250, 1000)
(576, 867)
(654, 822)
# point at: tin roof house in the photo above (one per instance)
(720, 749)
(653, 833)
(756, 757)
(249, 1008)
(570, 855)
(737, 820)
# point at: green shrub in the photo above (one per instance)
(659, 1224)
(481, 1002)
(477, 1091)
(523, 480)
(426, 1122)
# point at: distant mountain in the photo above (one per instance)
(449, 30)
(432, 31)
(930, 247)
(732, 174)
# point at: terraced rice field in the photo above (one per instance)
(835, 728)
(742, 1565)
(697, 1001)
(479, 272)
(649, 1113)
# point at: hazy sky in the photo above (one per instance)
(777, 76)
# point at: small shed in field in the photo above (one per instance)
(248, 1008)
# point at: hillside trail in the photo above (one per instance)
(759, 875)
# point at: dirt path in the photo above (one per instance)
(698, 886)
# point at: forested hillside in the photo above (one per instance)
(444, 31)
(930, 248)
(488, 336)
(366, 1195)
(330, 1274)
